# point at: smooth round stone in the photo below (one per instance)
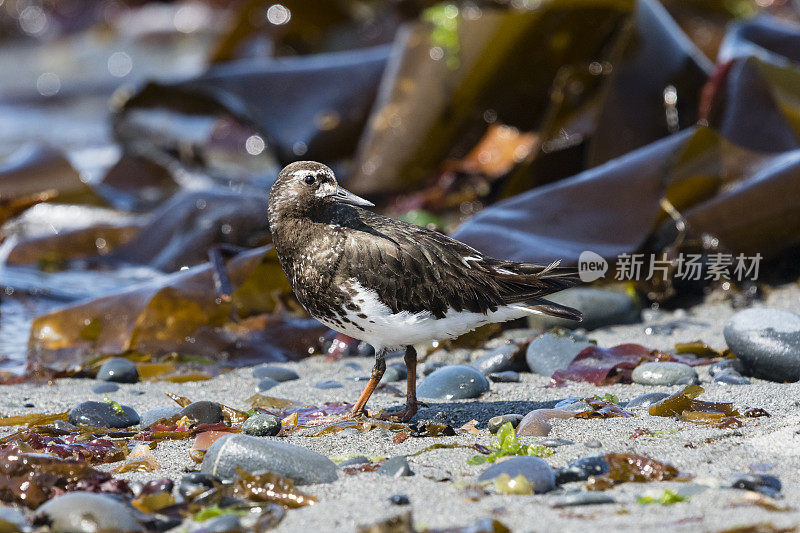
(726, 365)
(258, 455)
(520, 334)
(101, 414)
(599, 307)
(119, 370)
(63, 425)
(507, 376)
(667, 373)
(495, 423)
(399, 499)
(152, 416)
(549, 352)
(763, 483)
(357, 460)
(534, 469)
(593, 443)
(556, 442)
(395, 372)
(453, 382)
(105, 388)
(573, 405)
(262, 425)
(78, 512)
(203, 412)
(266, 384)
(767, 342)
(500, 359)
(277, 373)
(646, 400)
(582, 498)
(328, 384)
(195, 483)
(396, 466)
(731, 378)
(581, 469)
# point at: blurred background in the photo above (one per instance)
(138, 141)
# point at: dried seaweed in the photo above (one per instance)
(602, 409)
(625, 467)
(269, 488)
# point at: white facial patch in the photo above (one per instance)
(326, 189)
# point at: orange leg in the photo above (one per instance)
(374, 379)
(411, 387)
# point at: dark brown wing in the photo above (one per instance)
(415, 269)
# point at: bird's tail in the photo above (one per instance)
(530, 283)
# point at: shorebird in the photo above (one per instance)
(390, 283)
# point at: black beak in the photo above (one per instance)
(346, 197)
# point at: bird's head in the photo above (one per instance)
(304, 187)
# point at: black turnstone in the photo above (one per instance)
(390, 283)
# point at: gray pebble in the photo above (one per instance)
(357, 460)
(257, 455)
(262, 425)
(555, 442)
(119, 370)
(534, 469)
(453, 382)
(102, 414)
(767, 342)
(507, 376)
(594, 443)
(153, 415)
(203, 412)
(646, 400)
(78, 512)
(505, 358)
(395, 372)
(396, 466)
(277, 373)
(495, 423)
(581, 469)
(731, 378)
(105, 388)
(429, 368)
(726, 365)
(265, 384)
(550, 352)
(582, 498)
(664, 373)
(328, 384)
(600, 308)
(764, 483)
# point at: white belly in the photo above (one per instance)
(384, 329)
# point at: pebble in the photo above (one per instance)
(262, 425)
(496, 422)
(582, 498)
(767, 342)
(507, 357)
(731, 378)
(63, 425)
(581, 469)
(766, 484)
(594, 443)
(78, 512)
(429, 368)
(101, 414)
(664, 373)
(203, 412)
(453, 382)
(195, 483)
(328, 384)
(357, 460)
(646, 400)
(266, 384)
(573, 405)
(257, 455)
(555, 442)
(599, 307)
(506, 376)
(520, 334)
(277, 373)
(726, 365)
(395, 372)
(105, 388)
(152, 416)
(537, 422)
(550, 352)
(399, 499)
(119, 370)
(534, 469)
(396, 466)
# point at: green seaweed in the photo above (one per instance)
(444, 18)
(507, 444)
(115, 406)
(668, 498)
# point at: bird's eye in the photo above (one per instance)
(310, 179)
